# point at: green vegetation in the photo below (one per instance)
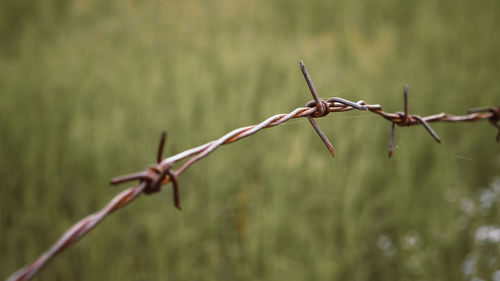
(87, 87)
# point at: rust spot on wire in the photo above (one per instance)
(151, 179)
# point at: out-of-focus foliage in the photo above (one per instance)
(86, 87)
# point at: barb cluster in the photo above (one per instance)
(155, 176)
(151, 179)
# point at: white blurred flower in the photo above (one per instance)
(488, 233)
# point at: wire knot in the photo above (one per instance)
(154, 177)
(404, 119)
(496, 114)
(494, 119)
(322, 110)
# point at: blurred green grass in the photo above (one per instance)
(86, 87)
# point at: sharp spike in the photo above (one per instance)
(405, 92)
(175, 184)
(391, 141)
(429, 129)
(310, 85)
(160, 147)
(322, 136)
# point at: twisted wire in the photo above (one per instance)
(154, 177)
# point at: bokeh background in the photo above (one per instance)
(86, 87)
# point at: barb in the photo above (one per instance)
(172, 177)
(405, 92)
(391, 140)
(322, 109)
(151, 179)
(159, 156)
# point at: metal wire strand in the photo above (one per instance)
(151, 179)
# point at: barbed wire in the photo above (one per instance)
(151, 179)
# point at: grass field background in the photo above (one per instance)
(86, 87)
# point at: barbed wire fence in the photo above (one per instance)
(151, 179)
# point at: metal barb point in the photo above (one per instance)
(159, 156)
(322, 136)
(177, 200)
(428, 127)
(495, 119)
(319, 108)
(391, 141)
(168, 172)
(348, 103)
(127, 178)
(405, 92)
(310, 85)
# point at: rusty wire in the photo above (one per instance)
(151, 179)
